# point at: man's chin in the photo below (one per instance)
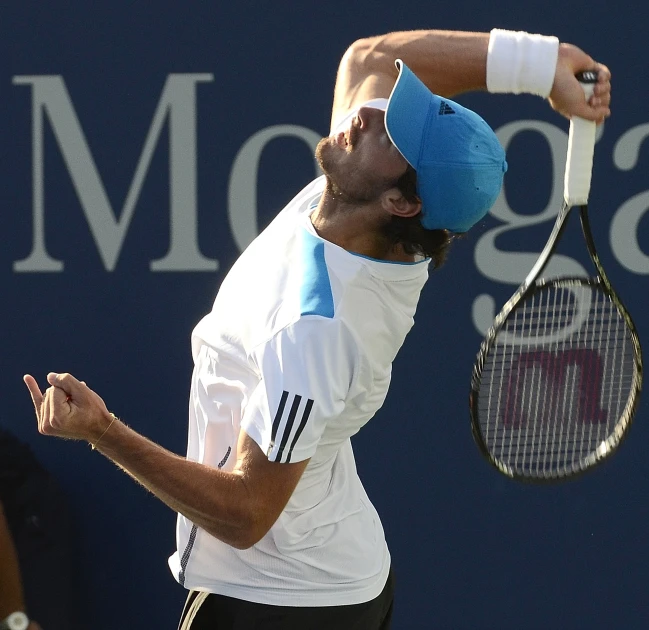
(325, 153)
(341, 183)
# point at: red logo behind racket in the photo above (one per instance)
(562, 384)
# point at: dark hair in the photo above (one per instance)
(410, 233)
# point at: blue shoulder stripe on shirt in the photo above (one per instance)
(316, 297)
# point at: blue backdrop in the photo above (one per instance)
(144, 144)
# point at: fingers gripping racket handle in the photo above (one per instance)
(581, 146)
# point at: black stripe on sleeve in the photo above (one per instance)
(288, 427)
(305, 417)
(277, 420)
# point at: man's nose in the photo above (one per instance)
(369, 116)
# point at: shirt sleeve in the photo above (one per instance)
(306, 371)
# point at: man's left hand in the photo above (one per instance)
(68, 408)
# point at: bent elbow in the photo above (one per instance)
(258, 526)
(237, 537)
(247, 538)
(247, 532)
(363, 53)
(241, 544)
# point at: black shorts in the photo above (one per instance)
(218, 612)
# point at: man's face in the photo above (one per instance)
(361, 162)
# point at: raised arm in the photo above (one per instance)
(448, 62)
(452, 62)
(236, 507)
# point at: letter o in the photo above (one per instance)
(242, 187)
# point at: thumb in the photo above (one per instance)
(35, 391)
(586, 111)
(66, 382)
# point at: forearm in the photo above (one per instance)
(11, 591)
(237, 507)
(452, 62)
(448, 62)
(214, 500)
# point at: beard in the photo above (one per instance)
(346, 180)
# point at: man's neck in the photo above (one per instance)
(356, 228)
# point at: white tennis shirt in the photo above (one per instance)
(297, 352)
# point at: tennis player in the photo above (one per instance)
(275, 530)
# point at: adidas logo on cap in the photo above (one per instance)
(445, 109)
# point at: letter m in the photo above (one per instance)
(51, 99)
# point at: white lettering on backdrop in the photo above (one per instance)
(624, 227)
(178, 103)
(51, 101)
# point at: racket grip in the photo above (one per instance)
(581, 147)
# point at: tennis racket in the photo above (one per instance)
(556, 382)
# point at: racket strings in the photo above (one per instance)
(556, 381)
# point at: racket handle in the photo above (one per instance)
(581, 146)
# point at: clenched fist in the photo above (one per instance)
(69, 408)
(567, 96)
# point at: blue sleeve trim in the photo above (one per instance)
(316, 297)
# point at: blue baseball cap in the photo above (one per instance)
(459, 161)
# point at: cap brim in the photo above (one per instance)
(458, 159)
(405, 118)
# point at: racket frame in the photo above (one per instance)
(529, 286)
(579, 163)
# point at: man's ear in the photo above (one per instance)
(396, 204)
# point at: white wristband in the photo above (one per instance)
(520, 62)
